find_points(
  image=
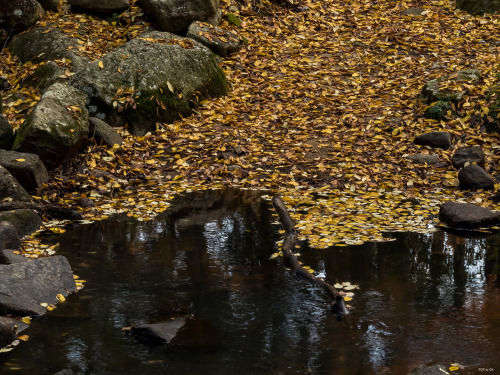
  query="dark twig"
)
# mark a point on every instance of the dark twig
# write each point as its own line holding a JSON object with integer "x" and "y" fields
{"x": 289, "y": 240}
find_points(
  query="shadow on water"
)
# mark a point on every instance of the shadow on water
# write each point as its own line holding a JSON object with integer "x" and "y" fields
{"x": 423, "y": 299}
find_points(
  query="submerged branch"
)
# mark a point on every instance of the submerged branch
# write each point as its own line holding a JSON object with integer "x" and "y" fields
{"x": 289, "y": 240}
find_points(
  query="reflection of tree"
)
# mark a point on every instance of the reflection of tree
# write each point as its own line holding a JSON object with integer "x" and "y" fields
{"x": 209, "y": 255}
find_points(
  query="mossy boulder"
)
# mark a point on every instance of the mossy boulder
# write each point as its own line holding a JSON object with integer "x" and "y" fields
{"x": 157, "y": 77}
{"x": 56, "y": 128}
{"x": 479, "y": 6}
{"x": 26, "y": 221}
{"x": 433, "y": 91}
{"x": 438, "y": 110}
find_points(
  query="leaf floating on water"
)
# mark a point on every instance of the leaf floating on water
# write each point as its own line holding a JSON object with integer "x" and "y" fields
{"x": 23, "y": 337}
{"x": 338, "y": 286}
{"x": 347, "y": 298}
{"x": 350, "y": 287}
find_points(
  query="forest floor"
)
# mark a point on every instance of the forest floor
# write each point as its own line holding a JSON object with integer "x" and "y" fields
{"x": 323, "y": 108}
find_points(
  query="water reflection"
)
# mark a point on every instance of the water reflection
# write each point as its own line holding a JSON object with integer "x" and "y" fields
{"x": 423, "y": 299}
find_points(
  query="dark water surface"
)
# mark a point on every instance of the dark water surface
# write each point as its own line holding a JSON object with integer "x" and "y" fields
{"x": 424, "y": 298}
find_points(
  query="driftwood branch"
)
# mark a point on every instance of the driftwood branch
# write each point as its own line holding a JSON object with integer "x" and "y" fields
{"x": 54, "y": 211}
{"x": 289, "y": 240}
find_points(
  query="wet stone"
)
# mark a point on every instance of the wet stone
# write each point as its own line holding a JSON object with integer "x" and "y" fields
{"x": 159, "y": 333}
{"x": 467, "y": 216}
{"x": 434, "y": 139}
{"x": 423, "y": 159}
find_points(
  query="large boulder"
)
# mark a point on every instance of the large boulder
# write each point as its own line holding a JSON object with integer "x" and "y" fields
{"x": 20, "y": 14}
{"x": 26, "y": 168}
{"x": 9, "y": 238}
{"x": 6, "y": 133}
{"x": 51, "y": 5}
{"x": 46, "y": 75}
{"x": 177, "y": 15}
{"x": 100, "y": 6}
{"x": 479, "y": 6}
{"x": 220, "y": 41}
{"x": 26, "y": 221}
{"x": 467, "y": 216}
{"x": 57, "y": 127}
{"x": 10, "y": 257}
{"x": 10, "y": 188}
{"x": 45, "y": 44}
{"x": 156, "y": 77}
{"x": 25, "y": 286}
{"x": 473, "y": 176}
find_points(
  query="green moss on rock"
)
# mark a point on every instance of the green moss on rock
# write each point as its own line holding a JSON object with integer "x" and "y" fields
{"x": 233, "y": 19}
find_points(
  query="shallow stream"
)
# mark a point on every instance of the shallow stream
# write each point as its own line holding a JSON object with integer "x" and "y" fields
{"x": 423, "y": 298}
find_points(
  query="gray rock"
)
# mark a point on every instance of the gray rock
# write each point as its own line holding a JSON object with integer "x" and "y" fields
{"x": 423, "y": 159}
{"x": 45, "y": 76}
{"x": 474, "y": 177}
{"x": 21, "y": 14}
{"x": 100, "y": 6}
{"x": 10, "y": 188}
{"x": 56, "y": 128}
{"x": 474, "y": 154}
{"x": 177, "y": 15}
{"x": 24, "y": 286}
{"x": 49, "y": 4}
{"x": 434, "y": 139}
{"x": 44, "y": 44}
{"x": 467, "y": 216}
{"x": 430, "y": 370}
{"x": 220, "y": 41}
{"x": 478, "y": 6}
{"x": 6, "y": 133}
{"x": 159, "y": 333}
{"x": 9, "y": 238}
{"x": 9, "y": 257}
{"x": 26, "y": 168}
{"x": 26, "y": 221}
{"x": 413, "y": 12}
{"x": 169, "y": 75}
{"x": 102, "y": 133}
{"x": 9, "y": 329}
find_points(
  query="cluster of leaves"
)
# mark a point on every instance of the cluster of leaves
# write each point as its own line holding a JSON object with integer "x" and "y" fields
{"x": 323, "y": 108}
